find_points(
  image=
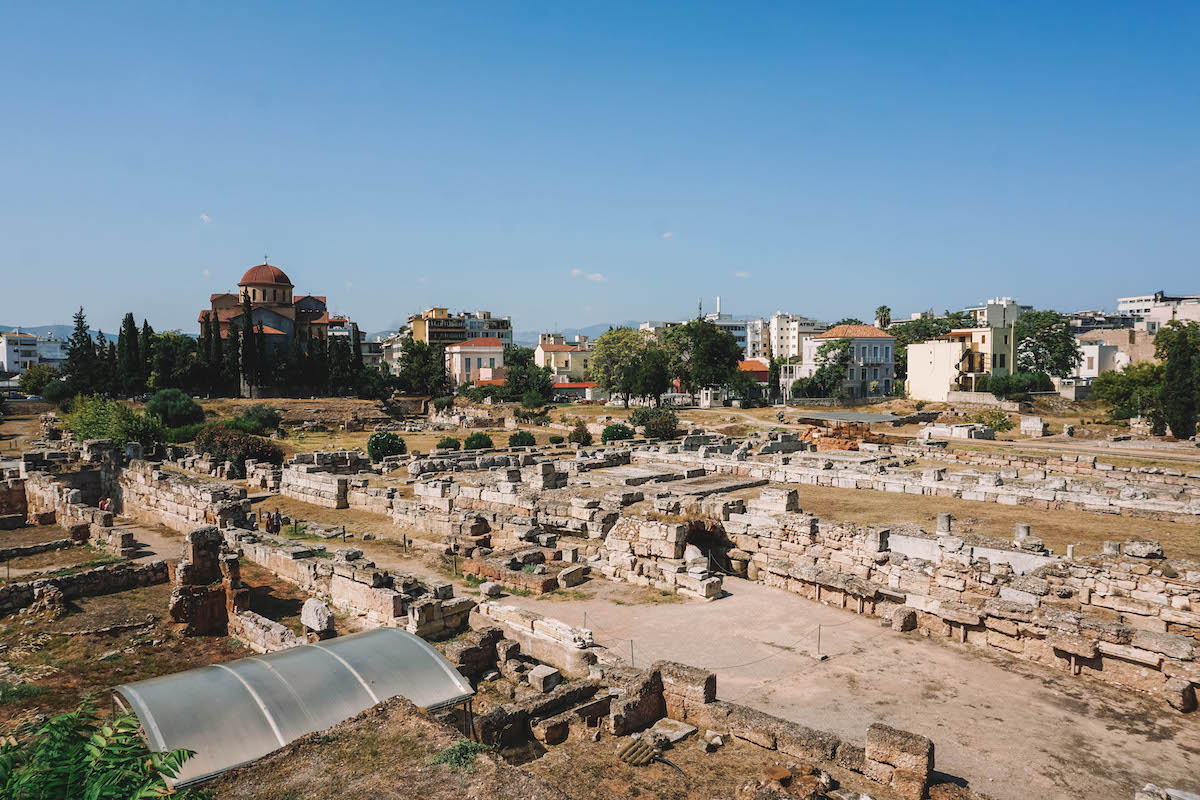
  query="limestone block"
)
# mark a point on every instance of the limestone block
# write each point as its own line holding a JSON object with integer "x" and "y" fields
{"x": 316, "y": 616}
{"x": 544, "y": 678}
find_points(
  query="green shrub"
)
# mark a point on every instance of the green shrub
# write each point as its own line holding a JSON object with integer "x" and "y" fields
{"x": 532, "y": 399}
{"x": 663, "y": 425}
{"x": 175, "y": 408}
{"x": 580, "y": 435}
{"x": 478, "y": 441}
{"x": 556, "y": 439}
{"x": 460, "y": 755}
{"x": 95, "y": 417}
{"x": 521, "y": 439}
{"x": 79, "y": 755}
{"x": 443, "y": 403}
{"x": 449, "y": 443}
{"x": 920, "y": 404}
{"x": 222, "y": 443}
{"x": 184, "y": 433}
{"x": 640, "y": 416}
{"x": 266, "y": 417}
{"x": 616, "y": 432}
{"x": 1019, "y": 384}
{"x": 16, "y": 692}
{"x": 382, "y": 444}
{"x": 996, "y": 420}
{"x": 58, "y": 393}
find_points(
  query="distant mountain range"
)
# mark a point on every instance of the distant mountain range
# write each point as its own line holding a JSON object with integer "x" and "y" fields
{"x": 529, "y": 338}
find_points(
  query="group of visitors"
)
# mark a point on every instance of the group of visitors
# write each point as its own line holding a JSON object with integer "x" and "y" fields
{"x": 272, "y": 522}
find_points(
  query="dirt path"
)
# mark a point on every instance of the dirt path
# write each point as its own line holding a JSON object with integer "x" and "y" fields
{"x": 1014, "y": 730}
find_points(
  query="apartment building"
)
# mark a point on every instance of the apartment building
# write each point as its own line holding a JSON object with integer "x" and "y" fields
{"x": 437, "y": 326}
{"x": 475, "y": 360}
{"x": 784, "y": 334}
{"x": 567, "y": 361}
{"x": 958, "y": 362}
{"x": 18, "y": 350}
{"x": 871, "y": 370}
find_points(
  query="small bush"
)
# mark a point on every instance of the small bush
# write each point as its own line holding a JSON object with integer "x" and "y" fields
{"x": 184, "y": 433}
{"x": 478, "y": 441}
{"x": 222, "y": 443}
{"x": 441, "y": 404}
{"x": 449, "y": 443}
{"x": 640, "y": 416}
{"x": 580, "y": 435}
{"x": 460, "y": 755}
{"x": 521, "y": 439}
{"x": 16, "y": 692}
{"x": 266, "y": 417}
{"x": 556, "y": 439}
{"x": 58, "y": 393}
{"x": 97, "y": 417}
{"x": 383, "y": 444}
{"x": 663, "y": 425}
{"x": 920, "y": 404}
{"x": 996, "y": 420}
{"x": 174, "y": 408}
{"x": 616, "y": 432}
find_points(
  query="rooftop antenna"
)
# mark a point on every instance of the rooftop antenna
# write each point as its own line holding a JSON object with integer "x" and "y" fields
{"x": 699, "y": 307}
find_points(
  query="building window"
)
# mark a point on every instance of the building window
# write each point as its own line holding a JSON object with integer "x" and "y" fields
{"x": 875, "y": 352}
{"x": 852, "y": 373}
{"x": 862, "y": 353}
{"x": 1091, "y": 362}
{"x": 1000, "y": 359}
{"x": 466, "y": 365}
{"x": 479, "y": 363}
{"x": 887, "y": 353}
{"x": 492, "y": 363}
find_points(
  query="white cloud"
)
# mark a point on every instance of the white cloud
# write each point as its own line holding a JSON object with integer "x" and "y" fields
{"x": 596, "y": 277}
{"x": 741, "y": 273}
{"x": 206, "y": 273}
{"x": 668, "y": 235}
{"x": 577, "y": 273}
{"x": 205, "y": 218}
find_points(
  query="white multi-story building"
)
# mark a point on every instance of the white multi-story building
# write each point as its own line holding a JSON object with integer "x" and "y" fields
{"x": 1139, "y": 305}
{"x": 1152, "y": 311}
{"x": 871, "y": 370}
{"x": 785, "y": 332}
{"x": 999, "y": 312}
{"x": 475, "y": 360}
{"x": 19, "y": 350}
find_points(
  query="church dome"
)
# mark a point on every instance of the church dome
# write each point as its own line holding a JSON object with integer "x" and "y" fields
{"x": 264, "y": 274}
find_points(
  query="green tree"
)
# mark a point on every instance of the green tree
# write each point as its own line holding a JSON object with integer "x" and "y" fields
{"x": 478, "y": 441}
{"x": 145, "y": 347}
{"x": 580, "y": 435}
{"x": 704, "y": 355}
{"x": 174, "y": 408}
{"x": 422, "y": 369}
{"x": 1045, "y": 344}
{"x": 833, "y": 359}
{"x": 521, "y": 439}
{"x": 883, "y": 315}
{"x": 614, "y": 359}
{"x": 382, "y": 444}
{"x": 250, "y": 365}
{"x": 849, "y": 321}
{"x": 652, "y": 372}
{"x": 174, "y": 361}
{"x": 616, "y": 432}
{"x": 81, "y": 362}
{"x": 1131, "y": 391}
{"x": 1177, "y": 396}
{"x": 130, "y": 376}
{"x": 36, "y": 378}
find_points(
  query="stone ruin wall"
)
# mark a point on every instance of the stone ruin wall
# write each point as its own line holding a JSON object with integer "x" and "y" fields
{"x": 149, "y": 493}
{"x": 102, "y": 580}
{"x": 14, "y": 509}
{"x": 1058, "y": 493}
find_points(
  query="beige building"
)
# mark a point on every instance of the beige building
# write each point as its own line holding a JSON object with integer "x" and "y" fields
{"x": 957, "y": 361}
{"x": 438, "y": 327}
{"x": 474, "y": 360}
{"x": 567, "y": 361}
{"x": 872, "y": 359}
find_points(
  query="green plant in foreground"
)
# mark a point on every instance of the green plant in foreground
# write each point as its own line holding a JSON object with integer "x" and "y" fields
{"x": 460, "y": 755}
{"x": 76, "y": 755}
{"x": 16, "y": 692}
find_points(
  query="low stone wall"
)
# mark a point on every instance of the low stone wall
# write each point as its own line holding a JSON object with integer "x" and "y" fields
{"x": 572, "y": 650}
{"x": 1060, "y": 493}
{"x": 311, "y": 484}
{"x": 149, "y": 493}
{"x": 12, "y": 498}
{"x": 261, "y": 634}
{"x": 9, "y": 553}
{"x": 103, "y": 580}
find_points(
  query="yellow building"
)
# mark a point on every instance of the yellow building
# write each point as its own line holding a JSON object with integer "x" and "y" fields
{"x": 957, "y": 361}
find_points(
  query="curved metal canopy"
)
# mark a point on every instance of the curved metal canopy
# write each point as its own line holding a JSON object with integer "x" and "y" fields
{"x": 234, "y": 713}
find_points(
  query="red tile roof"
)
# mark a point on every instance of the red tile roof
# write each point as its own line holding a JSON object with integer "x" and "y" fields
{"x": 575, "y": 385}
{"x": 265, "y": 273}
{"x": 212, "y": 297}
{"x": 490, "y": 383}
{"x": 559, "y": 348}
{"x": 854, "y": 332}
{"x": 753, "y": 366}
{"x": 222, "y": 314}
{"x": 480, "y": 341}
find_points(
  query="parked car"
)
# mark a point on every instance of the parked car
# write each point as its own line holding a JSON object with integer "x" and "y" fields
{"x": 34, "y": 398}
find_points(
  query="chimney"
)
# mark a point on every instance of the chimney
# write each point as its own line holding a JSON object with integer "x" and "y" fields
{"x": 718, "y": 306}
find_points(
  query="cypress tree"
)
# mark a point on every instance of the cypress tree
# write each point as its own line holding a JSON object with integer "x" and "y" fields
{"x": 249, "y": 363}
{"x": 81, "y": 357}
{"x": 1177, "y": 397}
{"x": 146, "y": 350}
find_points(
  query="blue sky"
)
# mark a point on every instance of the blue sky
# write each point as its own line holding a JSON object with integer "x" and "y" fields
{"x": 575, "y": 163}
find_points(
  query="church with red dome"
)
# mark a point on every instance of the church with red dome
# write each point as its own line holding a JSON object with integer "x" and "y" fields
{"x": 272, "y": 305}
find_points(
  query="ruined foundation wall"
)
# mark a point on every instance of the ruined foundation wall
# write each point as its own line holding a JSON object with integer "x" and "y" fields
{"x": 103, "y": 580}
{"x": 151, "y": 494}
{"x": 261, "y": 634}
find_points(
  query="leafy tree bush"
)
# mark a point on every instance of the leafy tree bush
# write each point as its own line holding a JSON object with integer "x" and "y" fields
{"x": 184, "y": 433}
{"x": 640, "y": 416}
{"x": 223, "y": 443}
{"x": 36, "y": 377}
{"x": 996, "y": 420}
{"x": 58, "y": 393}
{"x": 521, "y": 439}
{"x": 616, "y": 432}
{"x": 382, "y": 444}
{"x": 580, "y": 435}
{"x": 441, "y": 404}
{"x": 460, "y": 755}
{"x": 919, "y": 405}
{"x": 78, "y": 755}
{"x": 478, "y": 441}
{"x": 1045, "y": 344}
{"x": 664, "y": 425}
{"x": 94, "y": 417}
{"x": 174, "y": 408}
{"x": 556, "y": 439}
{"x": 1130, "y": 391}
{"x": 532, "y": 399}
{"x": 266, "y": 417}
{"x": 1019, "y": 383}
{"x": 449, "y": 443}
{"x": 1177, "y": 395}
